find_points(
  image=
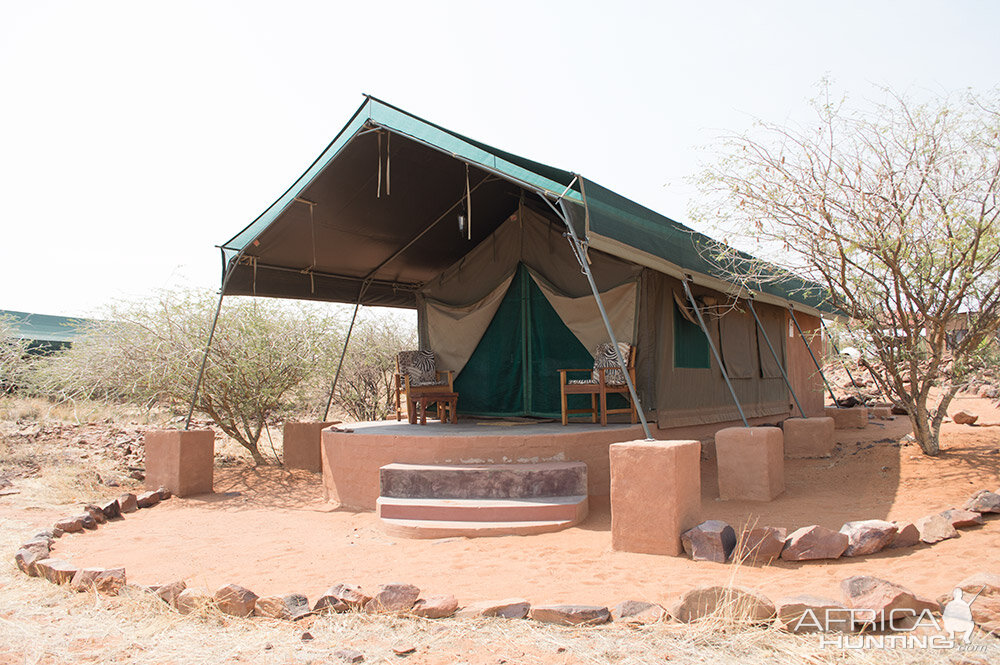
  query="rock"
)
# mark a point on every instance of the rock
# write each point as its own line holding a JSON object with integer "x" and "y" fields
{"x": 194, "y": 600}
{"x": 403, "y": 648}
{"x": 148, "y": 499}
{"x": 570, "y": 615}
{"x": 811, "y": 614}
{"x": 961, "y": 519}
{"x": 736, "y": 603}
{"x": 984, "y": 501}
{"x": 40, "y": 544}
{"x": 986, "y": 606}
{"x": 49, "y": 534}
{"x": 164, "y": 493}
{"x": 27, "y": 558}
{"x": 86, "y": 520}
{"x": 111, "y": 509}
{"x": 235, "y": 600}
{"x": 964, "y": 418}
{"x": 292, "y": 606}
{"x": 127, "y": 503}
{"x": 70, "y": 525}
{"x": 96, "y": 513}
{"x": 762, "y": 543}
{"x": 56, "y": 571}
{"x": 867, "y": 536}
{"x": 37, "y": 543}
{"x": 712, "y": 540}
{"x": 877, "y": 599}
{"x": 814, "y": 542}
{"x": 169, "y": 592}
{"x": 393, "y": 598}
{"x": 907, "y": 535}
{"x": 307, "y": 637}
{"x": 349, "y": 655}
{"x": 935, "y": 528}
{"x": 898, "y": 410}
{"x": 511, "y": 608}
{"x": 637, "y": 611}
{"x": 103, "y": 580}
{"x": 342, "y": 597}
{"x": 435, "y": 607}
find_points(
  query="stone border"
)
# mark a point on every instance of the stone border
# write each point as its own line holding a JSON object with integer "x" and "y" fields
{"x": 867, "y": 602}
{"x": 715, "y": 540}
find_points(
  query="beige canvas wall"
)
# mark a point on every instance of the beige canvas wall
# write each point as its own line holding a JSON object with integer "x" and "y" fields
{"x": 697, "y": 396}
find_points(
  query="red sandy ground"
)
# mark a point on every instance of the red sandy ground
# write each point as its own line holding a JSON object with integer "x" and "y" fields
{"x": 270, "y": 530}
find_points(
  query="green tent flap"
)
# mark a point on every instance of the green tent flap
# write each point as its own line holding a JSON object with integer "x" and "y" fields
{"x": 514, "y": 369}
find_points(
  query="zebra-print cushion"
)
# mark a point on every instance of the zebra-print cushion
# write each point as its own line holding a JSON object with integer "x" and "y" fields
{"x": 420, "y": 366}
{"x": 607, "y": 359}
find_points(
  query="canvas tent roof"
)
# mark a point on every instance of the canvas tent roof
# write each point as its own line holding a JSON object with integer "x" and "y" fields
{"x": 373, "y": 219}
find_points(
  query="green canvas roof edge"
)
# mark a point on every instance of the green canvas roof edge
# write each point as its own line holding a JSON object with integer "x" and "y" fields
{"x": 638, "y": 225}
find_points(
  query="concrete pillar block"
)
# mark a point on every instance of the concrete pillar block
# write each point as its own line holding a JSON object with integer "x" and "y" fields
{"x": 301, "y": 444}
{"x": 180, "y": 460}
{"x": 808, "y": 437}
{"x": 880, "y": 412}
{"x": 655, "y": 494}
{"x": 855, "y": 417}
{"x": 751, "y": 462}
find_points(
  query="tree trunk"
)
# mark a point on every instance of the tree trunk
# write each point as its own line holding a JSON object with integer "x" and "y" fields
{"x": 925, "y": 434}
{"x": 258, "y": 458}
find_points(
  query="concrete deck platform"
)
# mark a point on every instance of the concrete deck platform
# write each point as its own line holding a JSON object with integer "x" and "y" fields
{"x": 354, "y": 454}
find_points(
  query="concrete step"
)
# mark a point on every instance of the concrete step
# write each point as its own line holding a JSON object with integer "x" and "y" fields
{"x": 447, "y": 529}
{"x": 573, "y": 508}
{"x": 483, "y": 481}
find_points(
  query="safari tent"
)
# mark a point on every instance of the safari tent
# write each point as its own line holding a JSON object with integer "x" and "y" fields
{"x": 494, "y": 252}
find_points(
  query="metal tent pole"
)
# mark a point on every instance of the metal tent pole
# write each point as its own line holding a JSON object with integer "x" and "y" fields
{"x": 715, "y": 352}
{"x": 813, "y": 356}
{"x": 837, "y": 351}
{"x": 208, "y": 346}
{"x": 343, "y": 352}
{"x": 774, "y": 354}
{"x": 577, "y": 247}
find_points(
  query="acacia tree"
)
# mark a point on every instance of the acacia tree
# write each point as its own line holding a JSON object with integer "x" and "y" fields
{"x": 150, "y": 351}
{"x": 894, "y": 209}
{"x": 366, "y": 390}
{"x": 14, "y": 361}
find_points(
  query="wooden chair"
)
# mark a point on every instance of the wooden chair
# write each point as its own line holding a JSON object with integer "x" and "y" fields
{"x": 605, "y": 379}
{"x": 417, "y": 373}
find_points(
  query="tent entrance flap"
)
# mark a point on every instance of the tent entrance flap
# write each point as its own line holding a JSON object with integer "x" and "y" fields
{"x": 513, "y": 371}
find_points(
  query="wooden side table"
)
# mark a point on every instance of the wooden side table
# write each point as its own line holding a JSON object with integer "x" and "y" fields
{"x": 446, "y": 400}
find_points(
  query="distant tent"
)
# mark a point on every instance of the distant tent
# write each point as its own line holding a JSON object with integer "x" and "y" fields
{"x": 375, "y": 221}
{"x": 45, "y": 332}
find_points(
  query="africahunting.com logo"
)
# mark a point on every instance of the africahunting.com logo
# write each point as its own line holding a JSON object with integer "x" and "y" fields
{"x": 897, "y": 628}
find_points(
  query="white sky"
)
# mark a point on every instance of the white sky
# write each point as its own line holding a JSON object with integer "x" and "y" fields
{"x": 136, "y": 136}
